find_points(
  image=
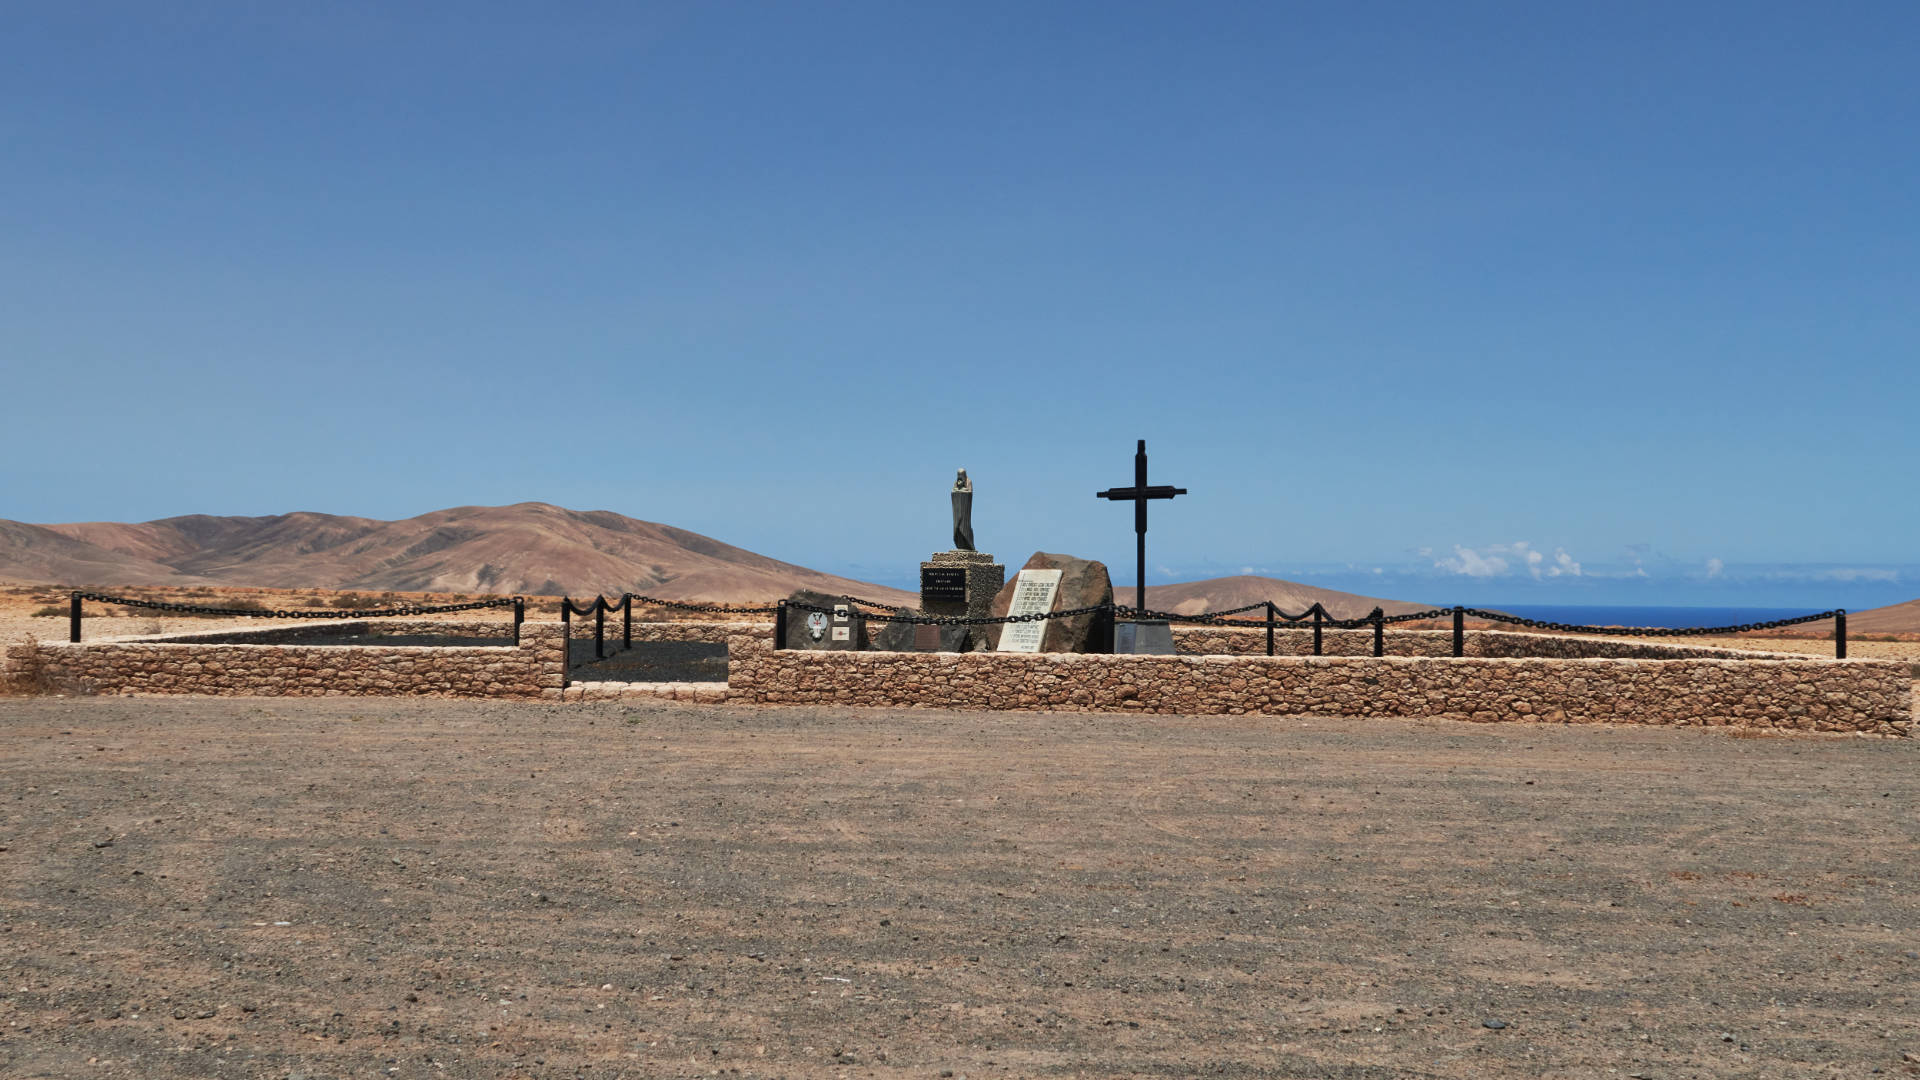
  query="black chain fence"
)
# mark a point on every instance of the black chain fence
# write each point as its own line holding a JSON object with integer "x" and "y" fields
{"x": 705, "y": 609}
{"x": 1653, "y": 631}
{"x": 1316, "y": 617}
{"x": 518, "y": 604}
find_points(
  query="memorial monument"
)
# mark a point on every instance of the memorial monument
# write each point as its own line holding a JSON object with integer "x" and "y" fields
{"x": 1048, "y": 583}
{"x": 1141, "y": 635}
{"x": 961, "y": 581}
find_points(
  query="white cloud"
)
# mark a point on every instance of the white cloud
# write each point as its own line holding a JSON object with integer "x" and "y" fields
{"x": 1465, "y": 560}
{"x": 1495, "y": 560}
{"x": 1857, "y": 573}
{"x": 1715, "y": 567}
{"x": 1843, "y": 574}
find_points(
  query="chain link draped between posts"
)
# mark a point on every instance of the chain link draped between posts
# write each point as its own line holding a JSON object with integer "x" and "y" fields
{"x": 705, "y": 609}
{"x": 1319, "y": 618}
{"x": 598, "y": 609}
{"x": 1651, "y": 631}
{"x": 1316, "y": 617}
{"x": 518, "y": 604}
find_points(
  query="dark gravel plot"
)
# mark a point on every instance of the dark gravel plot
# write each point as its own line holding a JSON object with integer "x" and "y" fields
{"x": 651, "y": 661}
{"x": 433, "y": 640}
{"x": 341, "y": 887}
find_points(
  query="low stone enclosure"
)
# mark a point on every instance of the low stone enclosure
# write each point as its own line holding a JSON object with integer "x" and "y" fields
{"x": 306, "y": 659}
{"x": 1218, "y": 670}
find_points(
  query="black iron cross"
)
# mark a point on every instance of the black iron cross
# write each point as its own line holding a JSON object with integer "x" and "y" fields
{"x": 1139, "y": 493}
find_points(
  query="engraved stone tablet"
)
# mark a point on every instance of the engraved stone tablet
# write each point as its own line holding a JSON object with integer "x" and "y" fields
{"x": 943, "y": 584}
{"x": 1033, "y": 593}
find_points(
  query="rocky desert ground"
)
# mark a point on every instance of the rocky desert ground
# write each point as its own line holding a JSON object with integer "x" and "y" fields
{"x": 356, "y": 888}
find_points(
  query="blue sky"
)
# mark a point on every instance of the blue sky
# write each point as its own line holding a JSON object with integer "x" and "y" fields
{"x": 1408, "y": 288}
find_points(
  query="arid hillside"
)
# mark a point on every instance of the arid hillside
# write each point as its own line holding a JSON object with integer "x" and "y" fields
{"x": 1892, "y": 619}
{"x": 1227, "y": 593}
{"x": 528, "y": 548}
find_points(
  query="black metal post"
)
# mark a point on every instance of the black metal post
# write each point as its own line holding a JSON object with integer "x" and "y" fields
{"x": 1318, "y": 612}
{"x": 780, "y": 626}
{"x": 1140, "y": 527}
{"x": 1379, "y": 632}
{"x": 1839, "y": 634}
{"x": 599, "y": 627}
{"x": 1269, "y": 628}
{"x": 566, "y": 637}
{"x": 73, "y": 616}
{"x": 519, "y": 616}
{"x": 626, "y": 615}
{"x": 1459, "y": 631}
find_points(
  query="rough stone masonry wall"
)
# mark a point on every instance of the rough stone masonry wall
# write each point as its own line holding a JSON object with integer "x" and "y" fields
{"x": 324, "y": 632}
{"x": 1800, "y": 694}
{"x": 533, "y": 669}
{"x": 1233, "y": 641}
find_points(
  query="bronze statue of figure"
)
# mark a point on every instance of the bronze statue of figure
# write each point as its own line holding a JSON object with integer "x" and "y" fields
{"x": 963, "y": 513}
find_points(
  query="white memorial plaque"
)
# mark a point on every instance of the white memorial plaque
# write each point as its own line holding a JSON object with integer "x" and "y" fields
{"x": 843, "y": 633}
{"x": 1033, "y": 593}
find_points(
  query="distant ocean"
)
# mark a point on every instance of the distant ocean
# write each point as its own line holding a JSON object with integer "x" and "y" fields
{"x": 1678, "y": 618}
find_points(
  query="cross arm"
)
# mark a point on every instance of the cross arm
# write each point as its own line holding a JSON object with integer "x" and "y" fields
{"x": 1158, "y": 491}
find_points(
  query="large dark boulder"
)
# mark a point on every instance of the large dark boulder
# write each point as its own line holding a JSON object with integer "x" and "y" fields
{"x": 919, "y": 637}
{"x": 801, "y": 632}
{"x": 1083, "y": 583}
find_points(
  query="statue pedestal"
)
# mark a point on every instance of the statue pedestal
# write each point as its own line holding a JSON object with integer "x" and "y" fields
{"x": 960, "y": 583}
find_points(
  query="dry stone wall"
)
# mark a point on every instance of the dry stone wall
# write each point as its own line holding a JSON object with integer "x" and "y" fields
{"x": 1798, "y": 694}
{"x": 1234, "y": 641}
{"x": 532, "y": 669}
{"x": 319, "y": 633}
{"x": 1560, "y": 679}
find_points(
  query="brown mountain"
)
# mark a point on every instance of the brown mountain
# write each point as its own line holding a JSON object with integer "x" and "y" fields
{"x": 1893, "y": 619}
{"x": 1227, "y": 593}
{"x": 529, "y": 548}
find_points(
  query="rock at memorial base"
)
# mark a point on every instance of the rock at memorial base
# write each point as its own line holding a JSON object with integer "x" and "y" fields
{"x": 827, "y": 629}
{"x": 1083, "y": 583}
{"x": 921, "y": 637}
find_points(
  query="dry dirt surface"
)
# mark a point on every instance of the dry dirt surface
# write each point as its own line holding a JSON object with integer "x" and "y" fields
{"x": 368, "y": 888}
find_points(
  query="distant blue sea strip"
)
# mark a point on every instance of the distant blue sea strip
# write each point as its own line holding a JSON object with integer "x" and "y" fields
{"x": 1675, "y": 618}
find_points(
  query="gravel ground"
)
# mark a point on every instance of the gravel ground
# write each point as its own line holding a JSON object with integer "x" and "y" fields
{"x": 356, "y": 888}
{"x": 651, "y": 661}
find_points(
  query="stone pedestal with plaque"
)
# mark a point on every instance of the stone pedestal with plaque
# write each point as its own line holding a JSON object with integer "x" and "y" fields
{"x": 826, "y": 622}
{"x": 960, "y": 583}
